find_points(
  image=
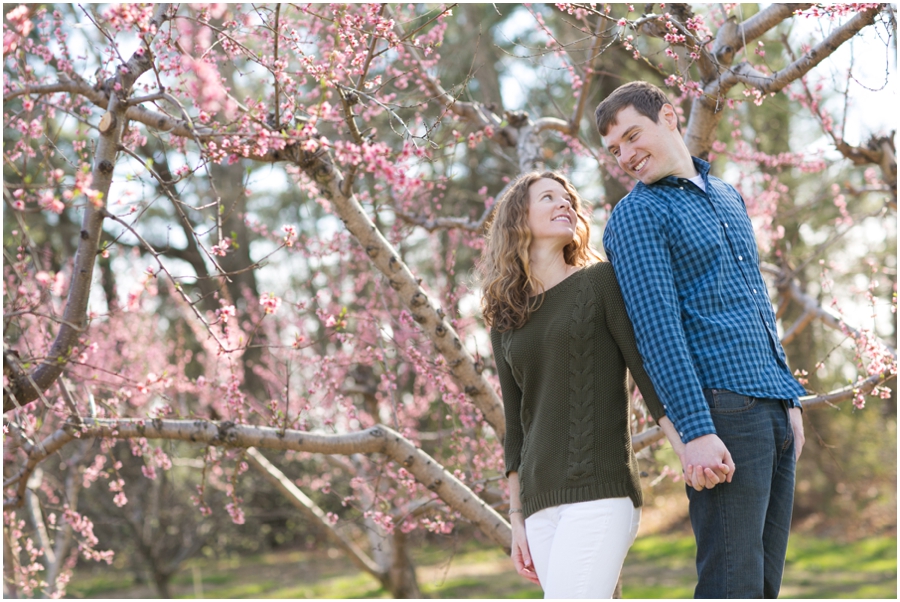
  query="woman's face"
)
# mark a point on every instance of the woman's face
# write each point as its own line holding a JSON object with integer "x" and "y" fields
{"x": 550, "y": 211}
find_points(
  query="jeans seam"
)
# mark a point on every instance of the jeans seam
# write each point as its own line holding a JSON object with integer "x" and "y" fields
{"x": 728, "y": 559}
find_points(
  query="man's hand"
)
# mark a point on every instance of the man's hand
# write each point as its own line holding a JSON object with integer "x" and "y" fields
{"x": 521, "y": 555}
{"x": 796, "y": 415}
{"x": 707, "y": 462}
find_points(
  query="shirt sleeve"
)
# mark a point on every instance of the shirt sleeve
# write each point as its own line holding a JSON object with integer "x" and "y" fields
{"x": 635, "y": 243}
{"x": 620, "y": 328}
{"x": 512, "y": 402}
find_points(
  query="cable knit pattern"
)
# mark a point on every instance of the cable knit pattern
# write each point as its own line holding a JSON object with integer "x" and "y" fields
{"x": 563, "y": 379}
{"x": 581, "y": 384}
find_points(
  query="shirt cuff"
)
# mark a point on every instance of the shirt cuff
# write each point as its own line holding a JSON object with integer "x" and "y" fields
{"x": 795, "y": 403}
{"x": 700, "y": 424}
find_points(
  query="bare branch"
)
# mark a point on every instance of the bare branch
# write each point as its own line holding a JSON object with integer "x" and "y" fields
{"x": 446, "y": 223}
{"x": 767, "y": 84}
{"x": 790, "y": 288}
{"x": 732, "y": 36}
{"x": 585, "y": 90}
{"x": 706, "y": 111}
{"x": 311, "y": 511}
{"x": 880, "y": 151}
{"x": 451, "y": 223}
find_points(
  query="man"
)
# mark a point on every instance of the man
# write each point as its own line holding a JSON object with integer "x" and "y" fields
{"x": 685, "y": 256}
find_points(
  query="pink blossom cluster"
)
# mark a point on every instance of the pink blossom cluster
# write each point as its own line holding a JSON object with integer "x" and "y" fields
{"x": 21, "y": 27}
{"x": 128, "y": 17}
{"x": 744, "y": 153}
{"x": 837, "y": 10}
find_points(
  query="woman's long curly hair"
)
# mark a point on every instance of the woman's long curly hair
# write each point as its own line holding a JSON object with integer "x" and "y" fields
{"x": 505, "y": 268}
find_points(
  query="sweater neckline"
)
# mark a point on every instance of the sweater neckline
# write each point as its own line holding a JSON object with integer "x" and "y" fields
{"x": 559, "y": 284}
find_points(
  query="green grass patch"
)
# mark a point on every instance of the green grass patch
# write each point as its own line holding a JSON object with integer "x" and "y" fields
{"x": 662, "y": 566}
{"x": 91, "y": 586}
{"x": 357, "y": 586}
{"x": 658, "y": 566}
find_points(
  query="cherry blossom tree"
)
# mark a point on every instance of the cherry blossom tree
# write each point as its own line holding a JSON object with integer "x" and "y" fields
{"x": 283, "y": 202}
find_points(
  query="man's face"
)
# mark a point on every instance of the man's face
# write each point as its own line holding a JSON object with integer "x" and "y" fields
{"x": 647, "y": 151}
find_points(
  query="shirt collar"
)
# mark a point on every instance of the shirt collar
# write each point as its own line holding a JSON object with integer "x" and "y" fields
{"x": 700, "y": 165}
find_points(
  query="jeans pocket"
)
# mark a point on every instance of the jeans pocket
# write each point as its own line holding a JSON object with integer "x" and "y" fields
{"x": 723, "y": 401}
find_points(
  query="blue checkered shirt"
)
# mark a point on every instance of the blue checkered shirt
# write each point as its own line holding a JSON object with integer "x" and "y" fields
{"x": 688, "y": 266}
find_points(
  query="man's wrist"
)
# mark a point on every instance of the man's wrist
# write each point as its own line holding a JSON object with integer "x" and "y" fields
{"x": 689, "y": 435}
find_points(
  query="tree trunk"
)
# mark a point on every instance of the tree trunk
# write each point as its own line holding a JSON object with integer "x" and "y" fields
{"x": 402, "y": 574}
{"x": 161, "y": 581}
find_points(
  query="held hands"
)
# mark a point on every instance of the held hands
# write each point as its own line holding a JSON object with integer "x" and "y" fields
{"x": 707, "y": 462}
{"x": 521, "y": 555}
{"x": 713, "y": 465}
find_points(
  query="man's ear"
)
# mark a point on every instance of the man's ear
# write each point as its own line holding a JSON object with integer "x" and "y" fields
{"x": 668, "y": 116}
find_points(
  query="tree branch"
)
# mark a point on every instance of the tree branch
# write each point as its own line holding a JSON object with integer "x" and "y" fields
{"x": 791, "y": 289}
{"x": 706, "y": 111}
{"x": 311, "y": 511}
{"x": 463, "y": 367}
{"x": 377, "y": 439}
{"x": 25, "y": 390}
{"x": 732, "y": 36}
{"x": 746, "y": 74}
{"x": 654, "y": 434}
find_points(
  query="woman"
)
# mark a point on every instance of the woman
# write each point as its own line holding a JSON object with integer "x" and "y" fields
{"x": 562, "y": 342}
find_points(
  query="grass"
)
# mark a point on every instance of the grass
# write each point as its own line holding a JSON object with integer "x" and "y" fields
{"x": 663, "y": 566}
{"x": 658, "y": 566}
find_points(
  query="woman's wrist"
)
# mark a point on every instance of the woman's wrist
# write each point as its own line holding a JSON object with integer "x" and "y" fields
{"x": 516, "y": 516}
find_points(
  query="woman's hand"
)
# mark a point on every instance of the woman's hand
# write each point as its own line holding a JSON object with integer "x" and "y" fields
{"x": 698, "y": 478}
{"x": 521, "y": 555}
{"x": 710, "y": 480}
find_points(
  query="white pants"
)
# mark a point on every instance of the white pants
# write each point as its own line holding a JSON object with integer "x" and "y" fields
{"x": 578, "y": 549}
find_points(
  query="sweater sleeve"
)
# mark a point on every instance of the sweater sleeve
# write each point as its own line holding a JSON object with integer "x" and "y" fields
{"x": 623, "y": 333}
{"x": 512, "y": 402}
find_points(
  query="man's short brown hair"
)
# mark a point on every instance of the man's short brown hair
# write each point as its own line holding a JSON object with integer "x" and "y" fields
{"x": 646, "y": 99}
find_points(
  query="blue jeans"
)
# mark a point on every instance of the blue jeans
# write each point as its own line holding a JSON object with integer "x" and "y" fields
{"x": 742, "y": 527}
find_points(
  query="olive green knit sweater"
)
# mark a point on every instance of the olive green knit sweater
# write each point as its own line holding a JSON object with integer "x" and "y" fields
{"x": 564, "y": 388}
